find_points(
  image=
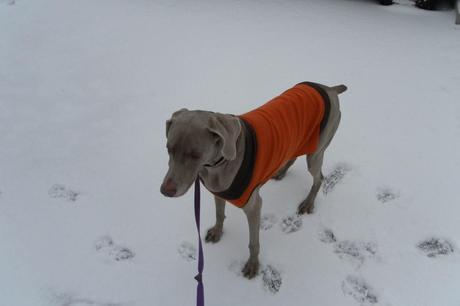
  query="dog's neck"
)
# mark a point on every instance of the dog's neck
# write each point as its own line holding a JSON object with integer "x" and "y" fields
{"x": 221, "y": 176}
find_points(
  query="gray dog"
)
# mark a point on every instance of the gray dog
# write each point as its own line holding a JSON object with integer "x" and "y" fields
{"x": 227, "y": 152}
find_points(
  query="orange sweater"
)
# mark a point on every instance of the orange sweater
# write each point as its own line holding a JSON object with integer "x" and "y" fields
{"x": 285, "y": 127}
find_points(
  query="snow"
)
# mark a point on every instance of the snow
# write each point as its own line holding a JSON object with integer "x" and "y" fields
{"x": 86, "y": 87}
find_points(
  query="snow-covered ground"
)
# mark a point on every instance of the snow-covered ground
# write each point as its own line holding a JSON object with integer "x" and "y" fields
{"x": 85, "y": 89}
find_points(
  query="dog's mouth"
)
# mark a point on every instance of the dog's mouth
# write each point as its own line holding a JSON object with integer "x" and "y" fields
{"x": 183, "y": 191}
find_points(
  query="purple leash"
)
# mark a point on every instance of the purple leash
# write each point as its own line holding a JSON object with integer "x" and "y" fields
{"x": 199, "y": 276}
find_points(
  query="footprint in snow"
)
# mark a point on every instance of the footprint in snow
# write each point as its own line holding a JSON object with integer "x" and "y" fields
{"x": 271, "y": 277}
{"x": 113, "y": 251}
{"x": 187, "y": 251}
{"x": 354, "y": 251}
{"x": 71, "y": 300}
{"x": 103, "y": 242}
{"x": 267, "y": 221}
{"x": 327, "y": 236}
{"x": 59, "y": 191}
{"x": 386, "y": 195}
{"x": 333, "y": 178}
{"x": 359, "y": 290}
{"x": 434, "y": 247}
{"x": 120, "y": 253}
{"x": 291, "y": 224}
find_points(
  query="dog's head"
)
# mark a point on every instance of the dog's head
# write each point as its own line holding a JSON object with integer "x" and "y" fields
{"x": 196, "y": 139}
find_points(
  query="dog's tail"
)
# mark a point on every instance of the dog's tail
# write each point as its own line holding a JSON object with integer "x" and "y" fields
{"x": 339, "y": 88}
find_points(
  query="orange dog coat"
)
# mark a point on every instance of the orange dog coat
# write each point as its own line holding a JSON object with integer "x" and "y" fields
{"x": 280, "y": 130}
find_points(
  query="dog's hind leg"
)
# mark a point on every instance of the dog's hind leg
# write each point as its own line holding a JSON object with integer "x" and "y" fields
{"x": 252, "y": 211}
{"x": 282, "y": 172}
{"x": 315, "y": 162}
{"x": 215, "y": 232}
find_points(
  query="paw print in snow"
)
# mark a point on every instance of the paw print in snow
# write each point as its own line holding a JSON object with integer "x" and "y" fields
{"x": 120, "y": 253}
{"x": 291, "y": 224}
{"x": 386, "y": 195}
{"x": 327, "y": 236}
{"x": 65, "y": 299}
{"x": 435, "y": 247}
{"x": 103, "y": 243}
{"x": 187, "y": 251}
{"x": 358, "y": 289}
{"x": 356, "y": 252}
{"x": 267, "y": 221}
{"x": 335, "y": 177}
{"x": 271, "y": 279}
{"x": 59, "y": 191}
{"x": 113, "y": 251}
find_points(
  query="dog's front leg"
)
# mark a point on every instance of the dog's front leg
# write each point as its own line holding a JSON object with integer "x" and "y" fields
{"x": 215, "y": 232}
{"x": 252, "y": 211}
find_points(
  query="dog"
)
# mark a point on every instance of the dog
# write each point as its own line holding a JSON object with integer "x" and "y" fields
{"x": 235, "y": 155}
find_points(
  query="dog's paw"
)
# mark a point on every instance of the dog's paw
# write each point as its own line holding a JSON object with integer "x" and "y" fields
{"x": 305, "y": 207}
{"x": 250, "y": 269}
{"x": 359, "y": 290}
{"x": 435, "y": 247}
{"x": 213, "y": 235}
{"x": 291, "y": 224}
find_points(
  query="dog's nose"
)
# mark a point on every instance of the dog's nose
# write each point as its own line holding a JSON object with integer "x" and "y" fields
{"x": 168, "y": 188}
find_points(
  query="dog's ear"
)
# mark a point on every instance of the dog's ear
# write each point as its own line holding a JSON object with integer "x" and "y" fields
{"x": 170, "y": 121}
{"x": 227, "y": 128}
